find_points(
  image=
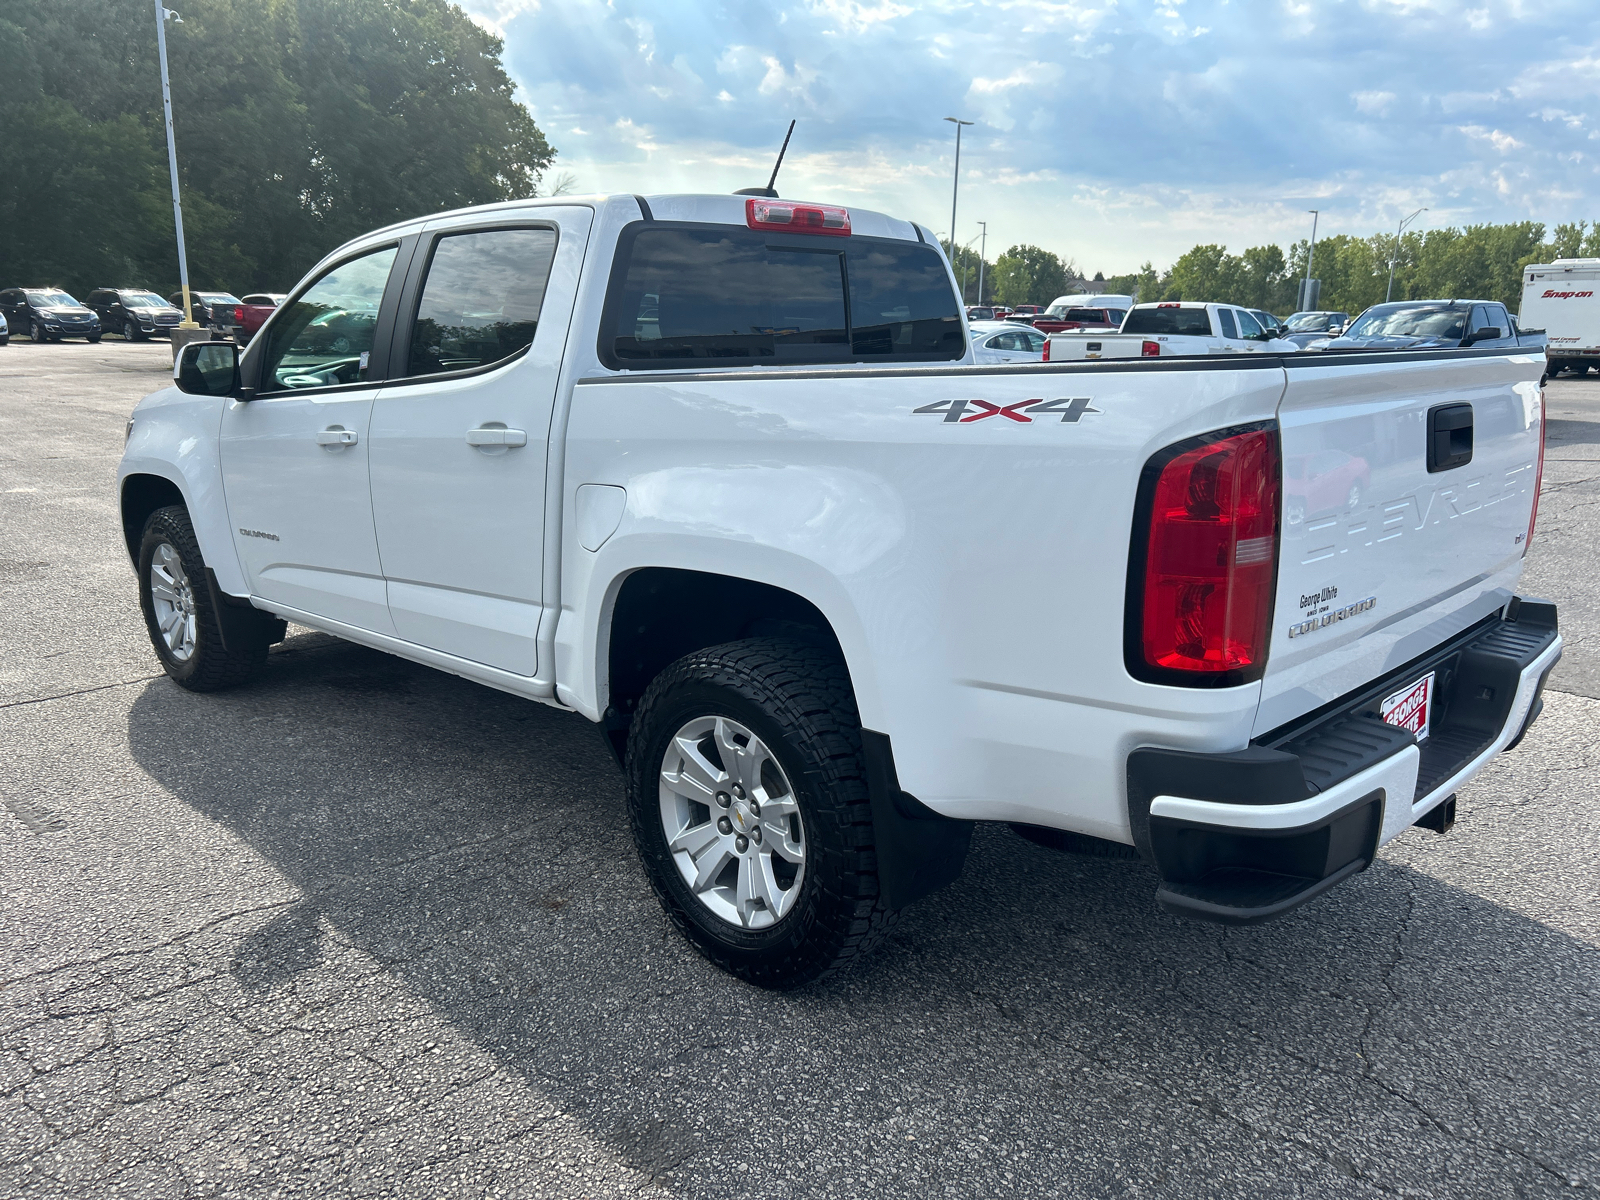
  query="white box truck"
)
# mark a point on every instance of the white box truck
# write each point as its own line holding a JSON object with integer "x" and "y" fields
{"x": 1563, "y": 299}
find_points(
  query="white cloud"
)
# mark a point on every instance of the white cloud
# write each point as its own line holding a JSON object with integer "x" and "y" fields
{"x": 855, "y": 17}
{"x": 1502, "y": 142}
{"x": 1373, "y": 103}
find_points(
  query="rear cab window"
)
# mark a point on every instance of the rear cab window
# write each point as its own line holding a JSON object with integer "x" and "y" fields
{"x": 695, "y": 295}
{"x": 1188, "y": 321}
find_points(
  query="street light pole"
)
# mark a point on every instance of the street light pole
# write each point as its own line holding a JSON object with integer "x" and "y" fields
{"x": 162, "y": 13}
{"x": 1305, "y": 288}
{"x": 955, "y": 185}
{"x": 1389, "y": 291}
{"x": 983, "y": 250}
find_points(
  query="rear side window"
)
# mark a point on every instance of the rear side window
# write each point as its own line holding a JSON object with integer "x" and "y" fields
{"x": 718, "y": 295}
{"x": 480, "y": 299}
{"x": 1192, "y": 321}
{"x": 1225, "y": 319}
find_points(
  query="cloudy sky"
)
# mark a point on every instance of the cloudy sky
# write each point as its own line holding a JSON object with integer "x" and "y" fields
{"x": 1108, "y": 131}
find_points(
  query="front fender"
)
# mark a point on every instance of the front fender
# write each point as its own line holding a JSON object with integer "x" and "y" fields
{"x": 175, "y": 437}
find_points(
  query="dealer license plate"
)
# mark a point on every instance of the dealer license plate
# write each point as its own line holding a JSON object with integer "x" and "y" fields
{"x": 1411, "y": 707}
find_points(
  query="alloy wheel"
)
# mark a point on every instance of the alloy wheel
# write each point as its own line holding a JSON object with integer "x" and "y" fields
{"x": 172, "y": 597}
{"x": 732, "y": 822}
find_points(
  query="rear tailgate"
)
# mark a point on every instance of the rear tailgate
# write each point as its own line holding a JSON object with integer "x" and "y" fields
{"x": 1381, "y": 558}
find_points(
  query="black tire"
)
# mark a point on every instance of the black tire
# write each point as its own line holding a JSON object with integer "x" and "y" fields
{"x": 92, "y": 338}
{"x": 37, "y": 333}
{"x": 797, "y": 698}
{"x": 210, "y": 667}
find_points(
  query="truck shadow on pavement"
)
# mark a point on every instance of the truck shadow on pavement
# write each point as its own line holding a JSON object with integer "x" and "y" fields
{"x": 1039, "y": 1026}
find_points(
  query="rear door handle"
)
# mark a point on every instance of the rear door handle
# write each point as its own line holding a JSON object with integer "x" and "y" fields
{"x": 497, "y": 437}
{"x": 336, "y": 437}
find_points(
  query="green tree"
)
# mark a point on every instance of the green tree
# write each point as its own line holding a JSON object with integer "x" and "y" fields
{"x": 300, "y": 123}
{"x": 964, "y": 261}
{"x": 1028, "y": 275}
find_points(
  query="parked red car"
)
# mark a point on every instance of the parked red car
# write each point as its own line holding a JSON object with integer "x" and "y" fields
{"x": 251, "y": 313}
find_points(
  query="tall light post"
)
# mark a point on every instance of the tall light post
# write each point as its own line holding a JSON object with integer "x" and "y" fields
{"x": 162, "y": 13}
{"x": 1305, "y": 288}
{"x": 983, "y": 250}
{"x": 955, "y": 185}
{"x": 1390, "y": 289}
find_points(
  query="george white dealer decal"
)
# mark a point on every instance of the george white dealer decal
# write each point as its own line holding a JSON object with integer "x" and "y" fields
{"x": 1328, "y": 618}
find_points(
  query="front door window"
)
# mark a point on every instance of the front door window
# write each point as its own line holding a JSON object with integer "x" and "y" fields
{"x": 325, "y": 338}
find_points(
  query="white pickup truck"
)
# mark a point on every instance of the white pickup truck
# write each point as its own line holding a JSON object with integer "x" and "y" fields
{"x": 719, "y": 475}
{"x": 1171, "y": 328}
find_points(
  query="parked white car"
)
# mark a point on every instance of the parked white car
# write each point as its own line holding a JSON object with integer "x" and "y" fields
{"x": 1005, "y": 342}
{"x": 1563, "y": 299}
{"x": 1172, "y": 327}
{"x": 747, "y": 510}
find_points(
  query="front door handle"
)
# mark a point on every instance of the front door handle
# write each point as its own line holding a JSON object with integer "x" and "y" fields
{"x": 336, "y": 437}
{"x": 496, "y": 436}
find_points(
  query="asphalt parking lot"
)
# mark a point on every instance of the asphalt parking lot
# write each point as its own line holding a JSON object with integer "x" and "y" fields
{"x": 365, "y": 929}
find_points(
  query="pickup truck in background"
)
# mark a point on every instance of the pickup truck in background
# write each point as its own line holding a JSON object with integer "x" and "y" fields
{"x": 1172, "y": 327}
{"x": 1563, "y": 299}
{"x": 212, "y": 310}
{"x": 1435, "y": 324}
{"x": 251, "y": 313}
{"x": 715, "y": 472}
{"x": 1085, "y": 320}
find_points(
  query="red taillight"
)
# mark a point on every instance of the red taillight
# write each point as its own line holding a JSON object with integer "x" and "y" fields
{"x": 1538, "y": 477}
{"x": 1150, "y": 350}
{"x": 238, "y": 315}
{"x": 1210, "y": 560}
{"x": 1046, "y": 350}
{"x": 797, "y": 218}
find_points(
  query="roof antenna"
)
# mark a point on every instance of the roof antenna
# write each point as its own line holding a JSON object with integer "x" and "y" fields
{"x": 769, "y": 191}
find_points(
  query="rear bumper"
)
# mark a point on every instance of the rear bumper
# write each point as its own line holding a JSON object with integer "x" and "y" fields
{"x": 1246, "y": 836}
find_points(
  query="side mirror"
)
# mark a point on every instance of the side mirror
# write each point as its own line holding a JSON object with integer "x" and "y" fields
{"x": 1488, "y": 333}
{"x": 207, "y": 369}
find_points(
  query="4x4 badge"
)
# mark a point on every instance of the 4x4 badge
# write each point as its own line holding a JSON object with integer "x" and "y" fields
{"x": 1071, "y": 410}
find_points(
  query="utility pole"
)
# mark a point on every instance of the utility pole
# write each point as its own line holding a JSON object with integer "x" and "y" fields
{"x": 1305, "y": 288}
{"x": 955, "y": 188}
{"x": 162, "y": 13}
{"x": 983, "y": 250}
{"x": 1389, "y": 291}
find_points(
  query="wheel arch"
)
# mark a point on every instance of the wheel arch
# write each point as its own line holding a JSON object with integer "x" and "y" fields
{"x": 657, "y": 614}
{"x": 141, "y": 495}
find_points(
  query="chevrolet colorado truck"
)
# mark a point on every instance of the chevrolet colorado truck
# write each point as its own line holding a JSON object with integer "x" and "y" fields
{"x": 1171, "y": 327}
{"x": 720, "y": 475}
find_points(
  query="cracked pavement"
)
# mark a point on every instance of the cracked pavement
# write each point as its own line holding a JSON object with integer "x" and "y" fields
{"x": 364, "y": 929}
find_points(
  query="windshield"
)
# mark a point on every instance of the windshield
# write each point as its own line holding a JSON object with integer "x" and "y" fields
{"x": 216, "y": 298}
{"x": 1312, "y": 322}
{"x": 1410, "y": 320}
{"x": 51, "y": 300}
{"x": 143, "y": 300}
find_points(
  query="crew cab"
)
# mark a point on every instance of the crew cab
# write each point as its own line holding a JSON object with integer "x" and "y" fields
{"x": 719, "y": 475}
{"x": 1435, "y": 324}
{"x": 1171, "y": 327}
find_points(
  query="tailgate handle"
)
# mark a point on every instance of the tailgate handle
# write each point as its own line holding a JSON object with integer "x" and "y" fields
{"x": 1449, "y": 437}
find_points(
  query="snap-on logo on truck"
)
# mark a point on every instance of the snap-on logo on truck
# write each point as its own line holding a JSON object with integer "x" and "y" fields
{"x": 1566, "y": 295}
